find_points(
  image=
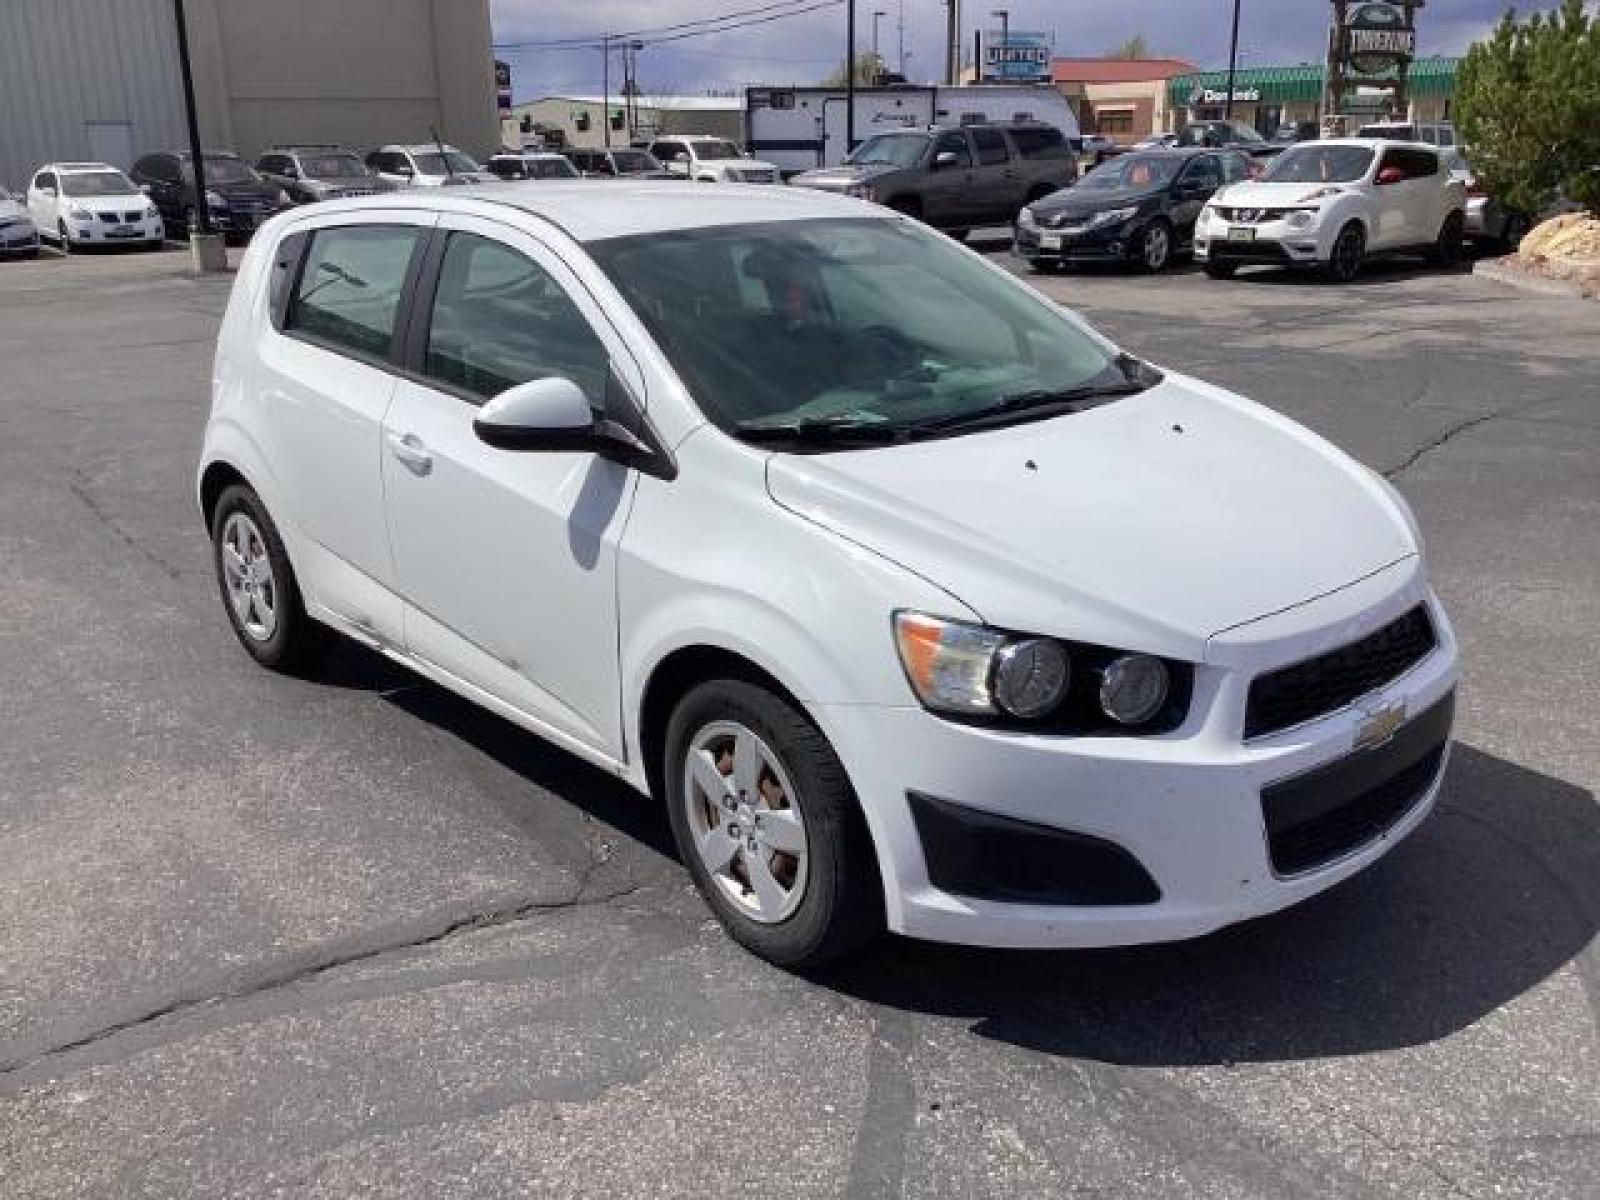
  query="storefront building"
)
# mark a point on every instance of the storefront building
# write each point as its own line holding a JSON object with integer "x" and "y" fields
{"x": 1269, "y": 98}
{"x": 1123, "y": 98}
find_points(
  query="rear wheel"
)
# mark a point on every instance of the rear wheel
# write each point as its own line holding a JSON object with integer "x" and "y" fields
{"x": 258, "y": 586}
{"x": 768, "y": 826}
{"x": 1513, "y": 231}
{"x": 1350, "y": 248}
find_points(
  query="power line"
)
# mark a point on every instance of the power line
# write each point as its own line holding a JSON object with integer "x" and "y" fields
{"x": 735, "y": 16}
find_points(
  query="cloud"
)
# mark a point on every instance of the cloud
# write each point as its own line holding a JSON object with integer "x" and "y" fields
{"x": 805, "y": 48}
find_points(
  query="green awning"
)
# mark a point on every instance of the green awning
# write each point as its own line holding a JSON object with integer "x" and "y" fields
{"x": 1300, "y": 84}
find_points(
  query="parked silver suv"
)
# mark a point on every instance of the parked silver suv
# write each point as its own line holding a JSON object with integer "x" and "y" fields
{"x": 954, "y": 177}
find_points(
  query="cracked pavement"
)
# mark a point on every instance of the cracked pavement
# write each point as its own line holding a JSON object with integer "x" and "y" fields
{"x": 348, "y": 936}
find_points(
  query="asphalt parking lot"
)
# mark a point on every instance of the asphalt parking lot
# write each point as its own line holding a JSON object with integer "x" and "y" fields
{"x": 346, "y": 936}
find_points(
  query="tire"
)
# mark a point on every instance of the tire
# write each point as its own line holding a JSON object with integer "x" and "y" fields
{"x": 1155, "y": 247}
{"x": 1349, "y": 251}
{"x": 1447, "y": 247}
{"x": 66, "y": 239}
{"x": 793, "y": 769}
{"x": 1512, "y": 232}
{"x": 273, "y": 628}
{"x": 1220, "y": 270}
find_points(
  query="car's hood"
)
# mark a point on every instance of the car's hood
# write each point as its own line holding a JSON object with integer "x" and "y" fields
{"x": 1256, "y": 194}
{"x": 10, "y": 210}
{"x": 843, "y": 175}
{"x": 1152, "y": 522}
{"x": 134, "y": 202}
{"x": 739, "y": 164}
{"x": 1081, "y": 201}
{"x": 244, "y": 189}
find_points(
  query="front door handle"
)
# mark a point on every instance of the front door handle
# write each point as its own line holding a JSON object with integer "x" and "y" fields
{"x": 411, "y": 452}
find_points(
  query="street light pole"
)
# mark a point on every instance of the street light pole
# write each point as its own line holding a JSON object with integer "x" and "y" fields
{"x": 952, "y": 41}
{"x": 202, "y": 210}
{"x": 1004, "y": 14}
{"x": 877, "y": 15}
{"x": 605, "y": 87}
{"x": 849, "y": 77}
{"x": 1233, "y": 63}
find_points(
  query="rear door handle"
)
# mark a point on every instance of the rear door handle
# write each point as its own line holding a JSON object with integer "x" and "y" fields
{"x": 411, "y": 452}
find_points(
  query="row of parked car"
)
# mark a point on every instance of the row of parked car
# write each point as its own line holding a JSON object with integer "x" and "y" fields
{"x": 77, "y": 204}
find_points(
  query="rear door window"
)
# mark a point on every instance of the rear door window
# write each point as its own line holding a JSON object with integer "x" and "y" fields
{"x": 348, "y": 294}
{"x": 991, "y": 145}
{"x": 1039, "y": 143}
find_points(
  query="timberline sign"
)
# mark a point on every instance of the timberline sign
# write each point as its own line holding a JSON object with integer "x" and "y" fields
{"x": 1376, "y": 38}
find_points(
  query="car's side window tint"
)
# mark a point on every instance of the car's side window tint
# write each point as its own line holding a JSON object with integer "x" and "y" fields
{"x": 348, "y": 294}
{"x": 954, "y": 143}
{"x": 499, "y": 319}
{"x": 991, "y": 146}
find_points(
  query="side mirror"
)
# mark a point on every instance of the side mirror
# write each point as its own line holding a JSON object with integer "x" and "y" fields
{"x": 542, "y": 414}
{"x": 1389, "y": 175}
{"x": 944, "y": 160}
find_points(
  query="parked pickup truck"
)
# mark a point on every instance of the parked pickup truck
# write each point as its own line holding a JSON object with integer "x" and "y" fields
{"x": 954, "y": 177}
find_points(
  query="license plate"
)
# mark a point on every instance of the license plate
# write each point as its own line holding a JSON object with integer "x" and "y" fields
{"x": 1240, "y": 234}
{"x": 1049, "y": 241}
{"x": 124, "y": 231}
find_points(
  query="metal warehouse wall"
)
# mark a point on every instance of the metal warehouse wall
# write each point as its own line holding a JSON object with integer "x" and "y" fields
{"x": 81, "y": 78}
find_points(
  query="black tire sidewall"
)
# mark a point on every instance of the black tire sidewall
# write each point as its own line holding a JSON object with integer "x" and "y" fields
{"x": 1334, "y": 270}
{"x": 842, "y": 905}
{"x": 296, "y": 635}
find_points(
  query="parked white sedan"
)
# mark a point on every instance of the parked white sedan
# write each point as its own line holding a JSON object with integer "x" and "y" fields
{"x": 1333, "y": 205}
{"x": 18, "y": 236}
{"x": 91, "y": 204}
{"x": 915, "y": 600}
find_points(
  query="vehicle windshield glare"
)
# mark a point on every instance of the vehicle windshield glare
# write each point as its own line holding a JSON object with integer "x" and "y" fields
{"x": 331, "y": 166}
{"x": 892, "y": 149}
{"x": 223, "y": 170}
{"x": 853, "y": 323}
{"x": 716, "y": 148}
{"x": 435, "y": 164}
{"x": 1133, "y": 171}
{"x": 1314, "y": 162}
{"x": 97, "y": 183}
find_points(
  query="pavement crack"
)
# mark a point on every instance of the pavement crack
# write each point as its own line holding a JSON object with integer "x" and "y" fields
{"x": 321, "y": 960}
{"x": 79, "y": 487}
{"x": 1434, "y": 443}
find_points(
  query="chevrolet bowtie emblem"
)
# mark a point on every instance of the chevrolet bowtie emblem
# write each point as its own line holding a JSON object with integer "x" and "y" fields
{"x": 1380, "y": 725}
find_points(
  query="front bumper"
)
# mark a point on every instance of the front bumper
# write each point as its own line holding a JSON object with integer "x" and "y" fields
{"x": 1191, "y": 810}
{"x": 19, "y": 238}
{"x": 103, "y": 233}
{"x": 1110, "y": 243}
{"x": 1271, "y": 242}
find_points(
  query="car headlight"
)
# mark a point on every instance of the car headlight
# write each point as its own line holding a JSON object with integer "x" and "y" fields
{"x": 216, "y": 200}
{"x": 1133, "y": 688}
{"x": 1113, "y": 216}
{"x": 151, "y": 212}
{"x": 972, "y": 671}
{"x": 79, "y": 214}
{"x": 1321, "y": 194}
{"x": 1301, "y": 219}
{"x": 1027, "y": 220}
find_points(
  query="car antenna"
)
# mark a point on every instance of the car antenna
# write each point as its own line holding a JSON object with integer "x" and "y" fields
{"x": 448, "y": 169}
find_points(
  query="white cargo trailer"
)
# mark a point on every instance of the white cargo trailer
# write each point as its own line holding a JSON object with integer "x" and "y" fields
{"x": 800, "y": 128}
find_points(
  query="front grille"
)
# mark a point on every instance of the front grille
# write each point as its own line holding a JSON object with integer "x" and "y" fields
{"x": 1317, "y": 818}
{"x": 1321, "y": 685}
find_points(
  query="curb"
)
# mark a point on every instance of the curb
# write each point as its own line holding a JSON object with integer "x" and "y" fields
{"x": 1537, "y": 284}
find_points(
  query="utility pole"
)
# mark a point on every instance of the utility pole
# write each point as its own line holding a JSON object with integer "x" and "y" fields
{"x": 877, "y": 15}
{"x": 849, "y": 77}
{"x": 1233, "y": 63}
{"x": 1004, "y": 15}
{"x": 605, "y": 87}
{"x": 952, "y": 41}
{"x": 900, "y": 33}
{"x": 202, "y": 210}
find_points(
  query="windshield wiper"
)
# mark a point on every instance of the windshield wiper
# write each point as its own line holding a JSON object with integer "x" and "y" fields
{"x": 1035, "y": 401}
{"x": 822, "y": 431}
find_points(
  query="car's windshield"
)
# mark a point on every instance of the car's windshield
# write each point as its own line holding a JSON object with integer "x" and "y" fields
{"x": 434, "y": 164}
{"x": 868, "y": 323}
{"x": 634, "y": 162}
{"x": 97, "y": 183}
{"x": 893, "y": 149}
{"x": 223, "y": 170}
{"x": 331, "y": 166}
{"x": 1133, "y": 171}
{"x": 1316, "y": 162}
{"x": 715, "y": 148}
{"x": 550, "y": 168}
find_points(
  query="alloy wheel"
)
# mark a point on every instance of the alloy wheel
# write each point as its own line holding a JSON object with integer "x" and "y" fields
{"x": 1157, "y": 247}
{"x": 247, "y": 575}
{"x": 746, "y": 821}
{"x": 1346, "y": 260}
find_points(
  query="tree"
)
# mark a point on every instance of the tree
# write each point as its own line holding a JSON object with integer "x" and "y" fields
{"x": 867, "y": 67}
{"x": 1134, "y": 47}
{"x": 1528, "y": 108}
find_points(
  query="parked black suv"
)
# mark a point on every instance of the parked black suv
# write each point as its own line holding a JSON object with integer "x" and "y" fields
{"x": 238, "y": 198}
{"x": 954, "y": 177}
{"x": 310, "y": 173}
{"x": 1140, "y": 207}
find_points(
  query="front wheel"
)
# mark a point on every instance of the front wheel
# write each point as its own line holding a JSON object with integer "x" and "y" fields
{"x": 1155, "y": 246}
{"x": 1446, "y": 250}
{"x": 1349, "y": 250}
{"x": 66, "y": 238}
{"x": 768, "y": 825}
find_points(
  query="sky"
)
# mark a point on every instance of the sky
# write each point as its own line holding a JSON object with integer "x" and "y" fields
{"x": 804, "y": 48}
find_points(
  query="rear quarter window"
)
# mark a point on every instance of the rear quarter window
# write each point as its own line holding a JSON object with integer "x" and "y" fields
{"x": 1040, "y": 143}
{"x": 347, "y": 296}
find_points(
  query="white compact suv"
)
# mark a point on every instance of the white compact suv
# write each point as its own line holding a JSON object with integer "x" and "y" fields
{"x": 91, "y": 204}
{"x": 915, "y": 600}
{"x": 429, "y": 165}
{"x": 1332, "y": 205}
{"x": 707, "y": 159}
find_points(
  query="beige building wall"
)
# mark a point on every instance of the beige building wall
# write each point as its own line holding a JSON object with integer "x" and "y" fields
{"x": 1144, "y": 103}
{"x": 356, "y": 72}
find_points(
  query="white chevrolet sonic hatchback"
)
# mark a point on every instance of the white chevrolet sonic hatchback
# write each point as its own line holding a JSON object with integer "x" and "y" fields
{"x": 916, "y": 601}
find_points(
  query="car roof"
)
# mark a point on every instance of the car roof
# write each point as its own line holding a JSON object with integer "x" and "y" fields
{"x": 417, "y": 148}
{"x": 1369, "y": 142}
{"x": 591, "y": 210}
